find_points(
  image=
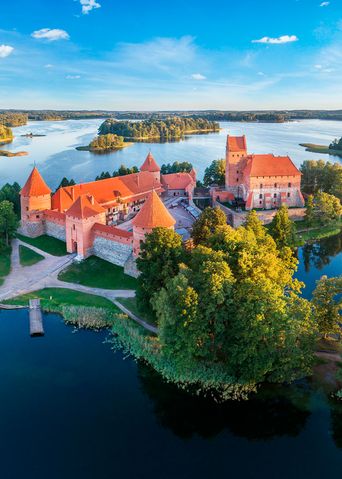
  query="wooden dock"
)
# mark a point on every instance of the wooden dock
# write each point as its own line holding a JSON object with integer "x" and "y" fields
{"x": 36, "y": 318}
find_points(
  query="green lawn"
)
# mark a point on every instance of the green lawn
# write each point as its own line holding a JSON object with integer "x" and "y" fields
{"x": 97, "y": 273}
{"x": 56, "y": 297}
{"x": 5, "y": 263}
{"x": 28, "y": 257}
{"x": 131, "y": 305}
{"x": 46, "y": 243}
{"x": 316, "y": 231}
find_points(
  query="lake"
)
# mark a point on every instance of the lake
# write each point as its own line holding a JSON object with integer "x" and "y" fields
{"x": 55, "y": 153}
{"x": 72, "y": 408}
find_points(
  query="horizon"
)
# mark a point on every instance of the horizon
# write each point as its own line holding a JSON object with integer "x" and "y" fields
{"x": 89, "y": 55}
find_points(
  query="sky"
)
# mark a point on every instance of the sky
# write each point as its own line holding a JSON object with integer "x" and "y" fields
{"x": 181, "y": 54}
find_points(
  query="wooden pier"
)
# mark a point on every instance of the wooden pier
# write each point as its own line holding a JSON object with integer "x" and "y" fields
{"x": 36, "y": 318}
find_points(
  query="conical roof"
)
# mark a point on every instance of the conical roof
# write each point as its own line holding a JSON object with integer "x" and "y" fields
{"x": 84, "y": 207}
{"x": 35, "y": 185}
{"x": 153, "y": 214}
{"x": 150, "y": 164}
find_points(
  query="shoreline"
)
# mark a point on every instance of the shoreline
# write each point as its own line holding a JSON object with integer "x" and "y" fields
{"x": 325, "y": 150}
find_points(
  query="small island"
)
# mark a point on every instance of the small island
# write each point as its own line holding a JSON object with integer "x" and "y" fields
{"x": 13, "y": 153}
{"x": 31, "y": 135}
{"x": 103, "y": 143}
{"x": 335, "y": 148}
{"x": 158, "y": 130}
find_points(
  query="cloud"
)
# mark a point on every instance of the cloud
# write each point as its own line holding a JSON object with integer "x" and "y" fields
{"x": 198, "y": 76}
{"x": 73, "y": 77}
{"x": 88, "y": 6}
{"x": 319, "y": 66}
{"x": 48, "y": 65}
{"x": 277, "y": 40}
{"x": 261, "y": 74}
{"x": 5, "y": 50}
{"x": 324, "y": 4}
{"x": 50, "y": 34}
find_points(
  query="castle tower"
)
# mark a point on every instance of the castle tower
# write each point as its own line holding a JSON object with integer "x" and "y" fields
{"x": 79, "y": 220}
{"x": 236, "y": 151}
{"x": 152, "y": 166}
{"x": 153, "y": 214}
{"x": 35, "y": 197}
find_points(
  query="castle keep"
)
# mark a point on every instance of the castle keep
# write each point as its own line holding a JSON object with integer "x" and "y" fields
{"x": 108, "y": 218}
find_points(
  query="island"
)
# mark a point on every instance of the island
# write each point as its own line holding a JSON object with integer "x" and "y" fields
{"x": 13, "y": 153}
{"x": 158, "y": 130}
{"x": 103, "y": 143}
{"x": 335, "y": 148}
{"x": 31, "y": 135}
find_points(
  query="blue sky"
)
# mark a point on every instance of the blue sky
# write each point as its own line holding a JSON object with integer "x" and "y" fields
{"x": 134, "y": 55}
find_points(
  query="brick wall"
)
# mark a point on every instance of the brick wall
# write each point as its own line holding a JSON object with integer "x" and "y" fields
{"x": 112, "y": 251}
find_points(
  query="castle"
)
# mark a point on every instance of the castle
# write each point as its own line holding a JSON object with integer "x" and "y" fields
{"x": 258, "y": 181}
{"x": 87, "y": 216}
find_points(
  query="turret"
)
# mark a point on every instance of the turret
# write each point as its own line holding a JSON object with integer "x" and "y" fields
{"x": 153, "y": 214}
{"x": 236, "y": 150}
{"x": 152, "y": 166}
{"x": 35, "y": 197}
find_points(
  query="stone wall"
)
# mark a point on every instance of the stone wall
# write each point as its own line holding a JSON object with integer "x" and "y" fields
{"x": 32, "y": 229}
{"x": 112, "y": 251}
{"x": 54, "y": 229}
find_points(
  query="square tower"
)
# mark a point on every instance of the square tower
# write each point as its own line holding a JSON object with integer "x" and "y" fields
{"x": 236, "y": 152}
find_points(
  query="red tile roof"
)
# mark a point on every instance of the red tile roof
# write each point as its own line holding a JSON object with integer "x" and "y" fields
{"x": 84, "y": 207}
{"x": 35, "y": 185}
{"x": 153, "y": 214}
{"x": 270, "y": 165}
{"x": 108, "y": 190}
{"x": 177, "y": 181}
{"x": 150, "y": 164}
{"x": 112, "y": 230}
{"x": 236, "y": 143}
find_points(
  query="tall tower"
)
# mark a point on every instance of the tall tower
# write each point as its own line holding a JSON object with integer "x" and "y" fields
{"x": 152, "y": 166}
{"x": 35, "y": 197}
{"x": 236, "y": 151}
{"x": 152, "y": 215}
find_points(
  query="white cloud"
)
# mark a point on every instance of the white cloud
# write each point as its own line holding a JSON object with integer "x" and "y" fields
{"x": 319, "y": 66}
{"x": 5, "y": 50}
{"x": 88, "y": 6}
{"x": 73, "y": 77}
{"x": 198, "y": 76}
{"x": 277, "y": 40}
{"x": 324, "y": 4}
{"x": 261, "y": 74}
{"x": 48, "y": 65}
{"x": 50, "y": 34}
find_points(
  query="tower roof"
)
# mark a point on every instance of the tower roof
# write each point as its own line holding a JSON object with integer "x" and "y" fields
{"x": 270, "y": 165}
{"x": 84, "y": 207}
{"x": 236, "y": 143}
{"x": 35, "y": 185}
{"x": 150, "y": 164}
{"x": 153, "y": 214}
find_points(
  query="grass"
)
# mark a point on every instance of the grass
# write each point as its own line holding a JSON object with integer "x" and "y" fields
{"x": 56, "y": 297}
{"x": 320, "y": 149}
{"x": 28, "y": 257}
{"x": 316, "y": 231}
{"x": 131, "y": 305}
{"x": 5, "y": 262}
{"x": 98, "y": 273}
{"x": 46, "y": 243}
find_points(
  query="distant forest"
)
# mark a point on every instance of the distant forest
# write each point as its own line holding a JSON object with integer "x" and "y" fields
{"x": 173, "y": 127}
{"x": 14, "y": 118}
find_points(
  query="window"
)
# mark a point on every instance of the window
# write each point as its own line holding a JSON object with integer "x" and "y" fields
{"x": 260, "y": 202}
{"x": 275, "y": 185}
{"x": 289, "y": 185}
{"x": 260, "y": 196}
{"x": 237, "y": 179}
{"x": 73, "y": 227}
{"x": 237, "y": 172}
{"x": 288, "y": 195}
{"x": 37, "y": 216}
{"x": 275, "y": 195}
{"x": 26, "y": 208}
{"x": 261, "y": 185}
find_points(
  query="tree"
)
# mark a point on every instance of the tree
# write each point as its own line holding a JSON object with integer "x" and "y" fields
{"x": 8, "y": 221}
{"x": 206, "y": 224}
{"x": 282, "y": 229}
{"x": 309, "y": 212}
{"x": 318, "y": 175}
{"x": 159, "y": 259}
{"x": 327, "y": 303}
{"x": 65, "y": 182}
{"x": 254, "y": 224}
{"x": 11, "y": 193}
{"x": 176, "y": 167}
{"x": 328, "y": 207}
{"x": 215, "y": 173}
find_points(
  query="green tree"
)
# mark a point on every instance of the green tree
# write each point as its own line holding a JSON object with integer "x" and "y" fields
{"x": 215, "y": 173}
{"x": 327, "y": 303}
{"x": 254, "y": 224}
{"x": 328, "y": 207}
{"x": 11, "y": 193}
{"x": 65, "y": 182}
{"x": 309, "y": 212}
{"x": 5, "y": 133}
{"x": 207, "y": 223}
{"x": 8, "y": 221}
{"x": 282, "y": 229}
{"x": 159, "y": 259}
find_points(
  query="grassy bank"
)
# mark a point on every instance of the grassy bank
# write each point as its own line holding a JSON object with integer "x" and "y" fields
{"x": 46, "y": 243}
{"x": 320, "y": 149}
{"x": 28, "y": 257}
{"x": 78, "y": 309}
{"x": 97, "y": 273}
{"x": 316, "y": 231}
{"x": 5, "y": 263}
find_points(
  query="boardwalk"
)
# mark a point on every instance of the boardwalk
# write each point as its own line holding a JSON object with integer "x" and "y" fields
{"x": 36, "y": 318}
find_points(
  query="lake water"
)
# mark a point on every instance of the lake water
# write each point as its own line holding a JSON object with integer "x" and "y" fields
{"x": 56, "y": 156}
{"x": 72, "y": 408}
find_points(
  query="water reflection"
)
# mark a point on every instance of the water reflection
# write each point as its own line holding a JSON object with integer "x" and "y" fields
{"x": 273, "y": 412}
{"x": 320, "y": 254}
{"x": 336, "y": 424}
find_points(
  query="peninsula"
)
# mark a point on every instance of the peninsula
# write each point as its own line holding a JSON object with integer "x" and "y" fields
{"x": 335, "y": 148}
